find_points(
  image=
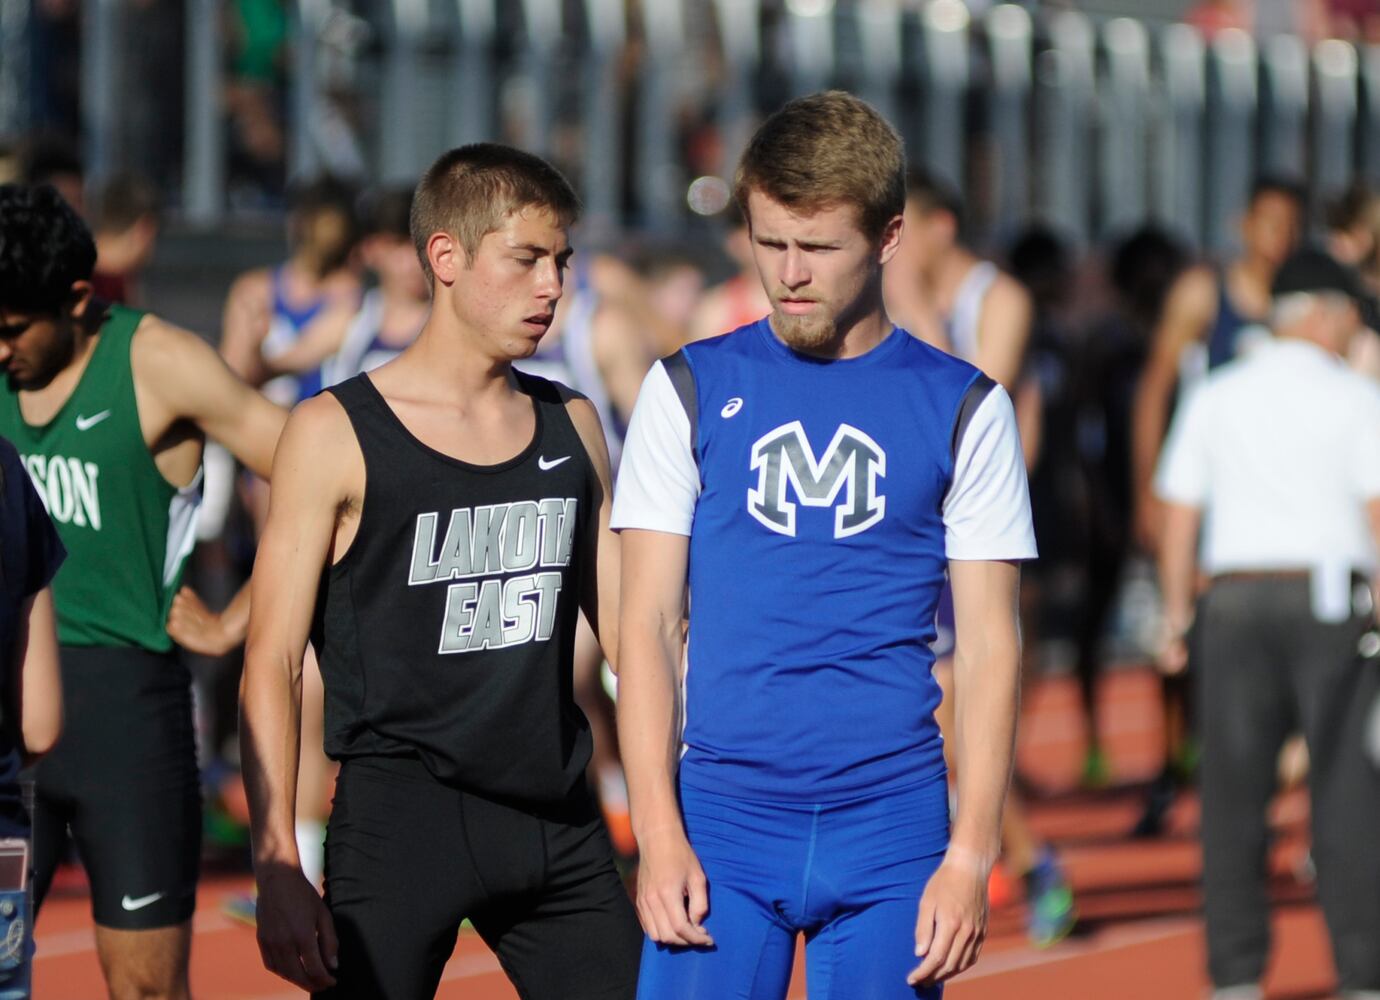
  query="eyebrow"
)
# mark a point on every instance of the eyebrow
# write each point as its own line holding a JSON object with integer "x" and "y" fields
{"x": 539, "y": 250}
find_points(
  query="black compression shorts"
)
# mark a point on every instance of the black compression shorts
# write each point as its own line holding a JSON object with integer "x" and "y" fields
{"x": 408, "y": 858}
{"x": 123, "y": 778}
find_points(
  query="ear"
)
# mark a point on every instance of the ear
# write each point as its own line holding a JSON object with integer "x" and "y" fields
{"x": 81, "y": 294}
{"x": 446, "y": 257}
{"x": 891, "y": 238}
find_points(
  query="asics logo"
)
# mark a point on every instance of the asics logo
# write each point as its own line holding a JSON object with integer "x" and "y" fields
{"x": 142, "y": 901}
{"x": 547, "y": 465}
{"x": 732, "y": 407}
{"x": 86, "y": 423}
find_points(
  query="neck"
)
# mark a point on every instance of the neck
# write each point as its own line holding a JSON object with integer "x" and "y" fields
{"x": 83, "y": 344}
{"x": 305, "y": 266}
{"x": 448, "y": 355}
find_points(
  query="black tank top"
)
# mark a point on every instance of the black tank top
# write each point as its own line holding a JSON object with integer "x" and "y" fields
{"x": 447, "y": 630}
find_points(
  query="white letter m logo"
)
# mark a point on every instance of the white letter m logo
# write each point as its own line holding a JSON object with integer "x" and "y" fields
{"x": 784, "y": 460}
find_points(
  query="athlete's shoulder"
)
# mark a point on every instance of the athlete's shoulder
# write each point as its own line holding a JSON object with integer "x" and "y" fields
{"x": 1008, "y": 294}
{"x": 161, "y": 351}
{"x": 322, "y": 419}
{"x": 256, "y": 283}
{"x": 1192, "y": 301}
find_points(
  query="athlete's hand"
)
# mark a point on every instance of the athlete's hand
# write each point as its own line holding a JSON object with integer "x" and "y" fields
{"x": 196, "y": 628}
{"x": 296, "y": 934}
{"x": 672, "y": 893}
{"x": 952, "y": 923}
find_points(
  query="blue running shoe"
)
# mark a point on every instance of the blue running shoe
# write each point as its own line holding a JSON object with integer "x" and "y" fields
{"x": 1049, "y": 901}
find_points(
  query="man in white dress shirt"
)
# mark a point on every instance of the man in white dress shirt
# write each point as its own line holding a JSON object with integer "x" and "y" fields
{"x": 1276, "y": 460}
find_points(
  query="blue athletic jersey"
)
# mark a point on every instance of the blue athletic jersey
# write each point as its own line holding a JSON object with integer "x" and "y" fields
{"x": 817, "y": 551}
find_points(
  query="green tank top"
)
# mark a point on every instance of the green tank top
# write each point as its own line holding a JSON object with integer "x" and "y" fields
{"x": 127, "y": 530}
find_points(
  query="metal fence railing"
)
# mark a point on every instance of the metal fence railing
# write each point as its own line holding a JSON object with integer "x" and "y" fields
{"x": 1089, "y": 124}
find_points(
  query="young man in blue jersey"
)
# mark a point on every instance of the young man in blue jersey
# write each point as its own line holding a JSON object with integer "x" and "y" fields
{"x": 807, "y": 480}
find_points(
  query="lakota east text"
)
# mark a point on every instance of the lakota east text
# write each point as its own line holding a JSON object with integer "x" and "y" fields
{"x": 482, "y": 546}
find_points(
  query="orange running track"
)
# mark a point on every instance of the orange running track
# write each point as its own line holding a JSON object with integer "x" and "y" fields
{"x": 1140, "y": 936}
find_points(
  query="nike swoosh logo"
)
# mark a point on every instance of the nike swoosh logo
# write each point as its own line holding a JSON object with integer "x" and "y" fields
{"x": 142, "y": 901}
{"x": 546, "y": 466}
{"x": 86, "y": 423}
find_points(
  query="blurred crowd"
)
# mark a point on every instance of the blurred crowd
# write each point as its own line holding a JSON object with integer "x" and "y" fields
{"x": 256, "y": 68}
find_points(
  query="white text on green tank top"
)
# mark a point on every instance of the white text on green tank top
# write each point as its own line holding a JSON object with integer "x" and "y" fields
{"x": 68, "y": 488}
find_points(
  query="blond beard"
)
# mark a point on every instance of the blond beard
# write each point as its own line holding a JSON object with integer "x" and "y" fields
{"x": 804, "y": 333}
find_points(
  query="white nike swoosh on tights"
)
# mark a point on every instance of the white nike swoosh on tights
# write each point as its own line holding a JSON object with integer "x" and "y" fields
{"x": 86, "y": 423}
{"x": 546, "y": 466}
{"x": 142, "y": 901}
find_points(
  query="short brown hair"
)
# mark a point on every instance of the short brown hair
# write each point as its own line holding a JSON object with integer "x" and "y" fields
{"x": 469, "y": 191}
{"x": 824, "y": 150}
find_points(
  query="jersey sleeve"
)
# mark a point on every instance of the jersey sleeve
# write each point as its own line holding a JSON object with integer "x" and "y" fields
{"x": 1182, "y": 475}
{"x": 658, "y": 479}
{"x": 987, "y": 509}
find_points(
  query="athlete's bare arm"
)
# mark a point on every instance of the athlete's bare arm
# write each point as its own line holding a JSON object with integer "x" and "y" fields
{"x": 318, "y": 483}
{"x": 672, "y": 896}
{"x": 953, "y": 910}
{"x": 178, "y": 377}
{"x": 623, "y": 357}
{"x": 599, "y": 588}
{"x": 36, "y": 694}
{"x": 321, "y": 338}
{"x": 1188, "y": 312}
{"x": 244, "y": 324}
{"x": 198, "y": 629}
{"x": 1178, "y": 567}
{"x": 1373, "y": 516}
{"x": 1003, "y": 332}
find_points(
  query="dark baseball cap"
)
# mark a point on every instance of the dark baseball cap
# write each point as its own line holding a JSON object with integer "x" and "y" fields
{"x": 1312, "y": 270}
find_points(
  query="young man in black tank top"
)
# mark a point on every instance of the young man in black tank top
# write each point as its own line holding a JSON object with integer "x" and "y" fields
{"x": 437, "y": 527}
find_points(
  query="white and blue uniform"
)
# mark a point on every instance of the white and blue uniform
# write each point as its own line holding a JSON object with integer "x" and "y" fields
{"x": 823, "y": 501}
{"x": 365, "y": 347}
{"x": 287, "y": 323}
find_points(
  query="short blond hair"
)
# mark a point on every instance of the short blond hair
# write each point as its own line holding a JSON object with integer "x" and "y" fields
{"x": 824, "y": 150}
{"x": 469, "y": 191}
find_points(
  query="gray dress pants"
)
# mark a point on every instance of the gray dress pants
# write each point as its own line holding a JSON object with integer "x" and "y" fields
{"x": 1267, "y": 667}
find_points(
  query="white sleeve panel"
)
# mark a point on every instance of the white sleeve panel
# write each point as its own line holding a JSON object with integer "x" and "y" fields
{"x": 1182, "y": 475}
{"x": 658, "y": 480}
{"x": 987, "y": 509}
